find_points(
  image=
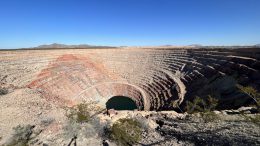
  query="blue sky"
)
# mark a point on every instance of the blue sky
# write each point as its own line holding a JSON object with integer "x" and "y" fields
{"x": 28, "y": 23}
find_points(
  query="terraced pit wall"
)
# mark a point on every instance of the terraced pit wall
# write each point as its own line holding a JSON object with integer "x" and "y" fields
{"x": 154, "y": 78}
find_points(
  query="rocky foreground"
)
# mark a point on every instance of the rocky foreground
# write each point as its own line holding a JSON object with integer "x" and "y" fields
{"x": 26, "y": 116}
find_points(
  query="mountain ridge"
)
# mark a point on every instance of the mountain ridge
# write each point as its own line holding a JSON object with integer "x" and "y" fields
{"x": 57, "y": 45}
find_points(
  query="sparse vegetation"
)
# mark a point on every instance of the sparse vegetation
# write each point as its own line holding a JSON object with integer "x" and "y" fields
{"x": 125, "y": 132}
{"x": 252, "y": 93}
{"x": 209, "y": 116}
{"x": 3, "y": 91}
{"x": 204, "y": 107}
{"x": 21, "y": 136}
{"x": 195, "y": 105}
{"x": 80, "y": 113}
{"x": 253, "y": 119}
{"x": 200, "y": 105}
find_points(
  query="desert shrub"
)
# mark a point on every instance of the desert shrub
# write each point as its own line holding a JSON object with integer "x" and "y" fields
{"x": 201, "y": 105}
{"x": 82, "y": 122}
{"x": 252, "y": 93}
{"x": 3, "y": 91}
{"x": 195, "y": 105}
{"x": 204, "y": 107}
{"x": 125, "y": 132}
{"x": 83, "y": 114}
{"x": 211, "y": 103}
{"x": 21, "y": 136}
{"x": 80, "y": 113}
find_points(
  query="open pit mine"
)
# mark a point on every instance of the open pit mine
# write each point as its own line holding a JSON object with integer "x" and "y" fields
{"x": 42, "y": 83}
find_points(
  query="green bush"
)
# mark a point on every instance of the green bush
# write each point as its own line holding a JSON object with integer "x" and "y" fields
{"x": 80, "y": 113}
{"x": 125, "y": 132}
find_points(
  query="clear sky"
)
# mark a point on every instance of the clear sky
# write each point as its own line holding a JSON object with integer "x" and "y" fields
{"x": 28, "y": 23}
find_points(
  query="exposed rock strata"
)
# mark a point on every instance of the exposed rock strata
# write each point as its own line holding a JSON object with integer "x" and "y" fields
{"x": 156, "y": 79}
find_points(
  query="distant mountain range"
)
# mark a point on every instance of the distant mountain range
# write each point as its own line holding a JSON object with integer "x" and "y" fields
{"x": 56, "y": 45}
{"x": 86, "y": 46}
{"x": 195, "y": 45}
